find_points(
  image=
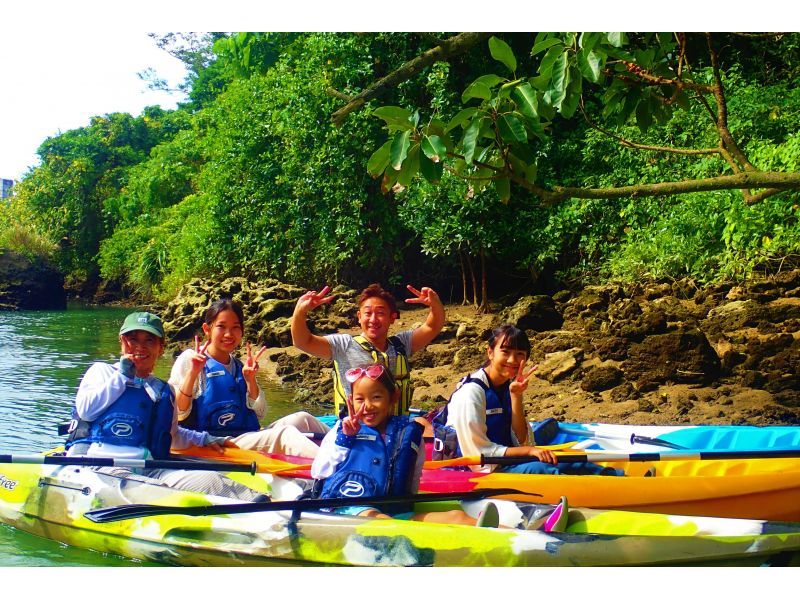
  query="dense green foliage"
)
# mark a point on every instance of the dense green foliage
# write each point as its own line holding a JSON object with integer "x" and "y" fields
{"x": 250, "y": 177}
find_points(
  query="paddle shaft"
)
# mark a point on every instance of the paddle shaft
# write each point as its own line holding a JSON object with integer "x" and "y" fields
{"x": 633, "y": 438}
{"x": 601, "y": 457}
{"x": 132, "y": 511}
{"x": 129, "y": 463}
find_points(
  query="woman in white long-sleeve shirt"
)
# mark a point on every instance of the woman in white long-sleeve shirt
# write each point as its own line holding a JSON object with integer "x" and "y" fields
{"x": 124, "y": 411}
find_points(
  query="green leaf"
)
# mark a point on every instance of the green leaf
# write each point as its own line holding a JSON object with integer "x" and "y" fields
{"x": 616, "y": 39}
{"x": 389, "y": 179}
{"x": 410, "y": 166}
{"x": 590, "y": 64}
{"x": 502, "y": 52}
{"x": 460, "y": 118}
{"x": 434, "y": 148}
{"x": 432, "y": 171}
{"x": 526, "y": 99}
{"x": 503, "y": 187}
{"x": 470, "y": 139}
{"x": 490, "y": 80}
{"x": 546, "y": 66}
{"x": 511, "y": 129}
{"x": 545, "y": 44}
{"x": 644, "y": 117}
{"x": 557, "y": 89}
{"x": 588, "y": 41}
{"x": 393, "y": 114}
{"x": 379, "y": 160}
{"x": 573, "y": 95}
{"x": 476, "y": 90}
{"x": 399, "y": 149}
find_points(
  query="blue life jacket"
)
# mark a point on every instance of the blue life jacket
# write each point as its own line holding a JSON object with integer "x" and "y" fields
{"x": 222, "y": 408}
{"x": 498, "y": 421}
{"x": 140, "y": 417}
{"x": 378, "y": 465}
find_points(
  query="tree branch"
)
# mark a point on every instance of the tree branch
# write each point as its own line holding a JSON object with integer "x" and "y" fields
{"x": 722, "y": 112}
{"x": 458, "y": 44}
{"x": 652, "y": 148}
{"x": 775, "y": 181}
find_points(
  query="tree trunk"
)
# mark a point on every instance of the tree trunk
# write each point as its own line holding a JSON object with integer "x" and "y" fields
{"x": 474, "y": 282}
{"x": 464, "y": 300}
{"x": 483, "y": 308}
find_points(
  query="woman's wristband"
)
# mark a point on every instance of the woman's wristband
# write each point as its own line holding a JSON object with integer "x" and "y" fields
{"x": 184, "y": 393}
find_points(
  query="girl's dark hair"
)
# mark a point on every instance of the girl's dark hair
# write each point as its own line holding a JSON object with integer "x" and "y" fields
{"x": 386, "y": 378}
{"x": 511, "y": 337}
{"x": 221, "y": 305}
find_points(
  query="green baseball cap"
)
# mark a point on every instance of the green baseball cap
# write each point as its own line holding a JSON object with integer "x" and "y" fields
{"x": 142, "y": 320}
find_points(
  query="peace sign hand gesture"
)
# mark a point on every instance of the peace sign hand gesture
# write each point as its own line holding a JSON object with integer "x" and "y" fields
{"x": 425, "y": 296}
{"x": 198, "y": 360}
{"x": 251, "y": 364}
{"x": 520, "y": 382}
{"x": 352, "y": 423}
{"x": 312, "y": 300}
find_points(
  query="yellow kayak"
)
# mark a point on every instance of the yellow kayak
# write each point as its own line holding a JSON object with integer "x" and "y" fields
{"x": 766, "y": 488}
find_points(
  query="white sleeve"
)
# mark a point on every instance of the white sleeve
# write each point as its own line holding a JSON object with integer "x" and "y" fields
{"x": 466, "y": 413}
{"x": 100, "y": 388}
{"x": 330, "y": 455}
{"x": 259, "y": 404}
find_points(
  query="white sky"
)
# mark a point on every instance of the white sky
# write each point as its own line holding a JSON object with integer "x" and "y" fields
{"x": 62, "y": 62}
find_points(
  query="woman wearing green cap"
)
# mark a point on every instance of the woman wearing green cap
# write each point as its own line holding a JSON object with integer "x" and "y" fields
{"x": 123, "y": 411}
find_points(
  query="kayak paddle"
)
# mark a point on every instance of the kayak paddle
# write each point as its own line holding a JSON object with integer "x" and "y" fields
{"x": 601, "y": 457}
{"x": 129, "y": 463}
{"x": 122, "y": 512}
{"x": 634, "y": 439}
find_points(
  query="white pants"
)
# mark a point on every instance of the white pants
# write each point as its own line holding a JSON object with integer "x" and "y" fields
{"x": 285, "y": 436}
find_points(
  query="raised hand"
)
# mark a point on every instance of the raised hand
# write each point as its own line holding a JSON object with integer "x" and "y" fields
{"x": 313, "y": 299}
{"x": 126, "y": 364}
{"x": 251, "y": 363}
{"x": 200, "y": 356}
{"x": 520, "y": 382}
{"x": 352, "y": 423}
{"x": 425, "y": 296}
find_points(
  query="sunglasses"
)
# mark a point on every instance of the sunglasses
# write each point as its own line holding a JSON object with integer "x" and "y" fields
{"x": 372, "y": 372}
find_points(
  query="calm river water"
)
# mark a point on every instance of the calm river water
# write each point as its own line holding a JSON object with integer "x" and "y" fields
{"x": 43, "y": 356}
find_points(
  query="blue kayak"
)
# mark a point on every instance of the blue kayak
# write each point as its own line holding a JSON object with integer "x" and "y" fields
{"x": 644, "y": 438}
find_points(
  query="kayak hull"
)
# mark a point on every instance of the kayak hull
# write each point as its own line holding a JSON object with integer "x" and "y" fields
{"x": 50, "y": 501}
{"x": 742, "y": 488}
{"x": 617, "y": 437}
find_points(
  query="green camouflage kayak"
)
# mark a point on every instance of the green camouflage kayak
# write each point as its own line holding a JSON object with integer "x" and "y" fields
{"x": 50, "y": 501}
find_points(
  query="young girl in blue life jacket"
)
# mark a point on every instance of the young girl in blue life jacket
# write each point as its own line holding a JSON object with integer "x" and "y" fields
{"x": 218, "y": 393}
{"x": 486, "y": 416}
{"x": 123, "y": 411}
{"x": 373, "y": 453}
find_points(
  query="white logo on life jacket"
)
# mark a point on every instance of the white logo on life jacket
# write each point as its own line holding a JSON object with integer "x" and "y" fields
{"x": 122, "y": 430}
{"x": 223, "y": 419}
{"x": 351, "y": 488}
{"x": 438, "y": 445}
{"x": 73, "y": 424}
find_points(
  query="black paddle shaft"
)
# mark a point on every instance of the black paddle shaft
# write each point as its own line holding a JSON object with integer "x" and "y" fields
{"x": 121, "y": 512}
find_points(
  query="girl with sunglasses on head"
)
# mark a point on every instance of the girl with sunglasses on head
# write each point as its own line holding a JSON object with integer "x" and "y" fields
{"x": 374, "y": 453}
{"x": 218, "y": 393}
{"x": 486, "y": 415}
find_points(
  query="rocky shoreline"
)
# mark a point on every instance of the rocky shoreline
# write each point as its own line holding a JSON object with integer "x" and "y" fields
{"x": 660, "y": 353}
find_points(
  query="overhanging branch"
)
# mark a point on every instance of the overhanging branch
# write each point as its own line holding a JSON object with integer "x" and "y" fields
{"x": 775, "y": 181}
{"x": 453, "y": 46}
